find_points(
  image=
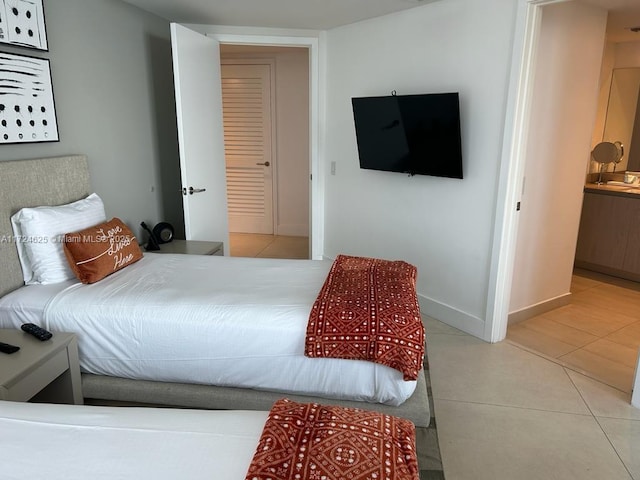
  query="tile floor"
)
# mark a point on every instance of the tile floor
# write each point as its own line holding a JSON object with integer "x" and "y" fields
{"x": 597, "y": 333}
{"x": 268, "y": 246}
{"x": 505, "y": 413}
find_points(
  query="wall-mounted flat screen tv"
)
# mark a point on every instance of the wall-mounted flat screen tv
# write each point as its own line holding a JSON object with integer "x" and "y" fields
{"x": 413, "y": 134}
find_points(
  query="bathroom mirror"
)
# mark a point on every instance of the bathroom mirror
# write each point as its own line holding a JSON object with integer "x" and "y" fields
{"x": 622, "y": 123}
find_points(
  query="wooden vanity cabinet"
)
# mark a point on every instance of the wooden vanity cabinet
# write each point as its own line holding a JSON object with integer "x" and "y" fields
{"x": 609, "y": 235}
{"x": 632, "y": 254}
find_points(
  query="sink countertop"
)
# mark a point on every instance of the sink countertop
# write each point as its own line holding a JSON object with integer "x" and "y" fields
{"x": 631, "y": 190}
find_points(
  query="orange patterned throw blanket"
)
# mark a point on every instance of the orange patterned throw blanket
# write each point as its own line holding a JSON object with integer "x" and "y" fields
{"x": 303, "y": 441}
{"x": 368, "y": 309}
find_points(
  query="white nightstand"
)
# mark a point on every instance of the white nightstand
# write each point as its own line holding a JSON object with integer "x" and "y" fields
{"x": 46, "y": 371}
{"x": 191, "y": 247}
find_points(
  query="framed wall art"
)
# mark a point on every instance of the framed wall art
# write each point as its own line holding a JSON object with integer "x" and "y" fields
{"x": 27, "y": 110}
{"x": 22, "y": 24}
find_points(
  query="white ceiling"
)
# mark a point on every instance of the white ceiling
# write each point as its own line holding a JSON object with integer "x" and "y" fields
{"x": 326, "y": 14}
{"x": 620, "y": 22}
{"x": 304, "y": 14}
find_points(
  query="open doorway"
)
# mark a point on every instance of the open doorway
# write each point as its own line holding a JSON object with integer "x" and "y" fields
{"x": 193, "y": 49}
{"x": 587, "y": 323}
{"x": 265, "y": 91}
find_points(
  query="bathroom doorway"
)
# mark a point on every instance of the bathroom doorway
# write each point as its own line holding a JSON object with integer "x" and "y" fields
{"x": 593, "y": 327}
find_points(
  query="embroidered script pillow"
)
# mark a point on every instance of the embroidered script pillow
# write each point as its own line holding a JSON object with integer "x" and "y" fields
{"x": 98, "y": 251}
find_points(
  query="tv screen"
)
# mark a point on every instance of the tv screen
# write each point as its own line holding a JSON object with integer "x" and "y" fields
{"x": 413, "y": 134}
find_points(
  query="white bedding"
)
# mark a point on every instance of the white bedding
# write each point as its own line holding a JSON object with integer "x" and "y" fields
{"x": 64, "y": 442}
{"x": 206, "y": 319}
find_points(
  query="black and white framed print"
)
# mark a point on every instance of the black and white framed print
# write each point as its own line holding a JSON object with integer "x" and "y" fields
{"x": 22, "y": 24}
{"x": 27, "y": 111}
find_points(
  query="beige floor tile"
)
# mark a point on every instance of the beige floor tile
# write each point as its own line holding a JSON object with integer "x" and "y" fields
{"x": 248, "y": 245}
{"x": 601, "y": 307}
{"x": 627, "y": 289}
{"x": 580, "y": 283}
{"x": 614, "y": 351}
{"x": 539, "y": 341}
{"x": 467, "y": 369}
{"x": 486, "y": 396}
{"x": 590, "y": 318}
{"x": 559, "y": 331}
{"x": 492, "y": 442}
{"x": 607, "y": 279}
{"x": 614, "y": 374}
{"x": 268, "y": 246}
{"x": 628, "y": 336}
{"x": 603, "y": 400}
{"x": 289, "y": 247}
{"x": 612, "y": 299}
{"x": 625, "y": 437}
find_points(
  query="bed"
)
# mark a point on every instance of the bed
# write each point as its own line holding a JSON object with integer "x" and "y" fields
{"x": 28, "y": 183}
{"x": 64, "y": 442}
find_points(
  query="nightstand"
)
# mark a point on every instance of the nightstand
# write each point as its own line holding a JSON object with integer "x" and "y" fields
{"x": 46, "y": 371}
{"x": 191, "y": 247}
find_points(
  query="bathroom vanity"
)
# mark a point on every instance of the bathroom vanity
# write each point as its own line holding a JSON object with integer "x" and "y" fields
{"x": 609, "y": 235}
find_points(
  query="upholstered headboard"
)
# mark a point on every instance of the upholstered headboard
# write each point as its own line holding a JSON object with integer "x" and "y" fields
{"x": 30, "y": 183}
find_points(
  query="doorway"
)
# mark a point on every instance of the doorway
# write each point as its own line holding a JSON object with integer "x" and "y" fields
{"x": 268, "y": 158}
{"x": 594, "y": 330}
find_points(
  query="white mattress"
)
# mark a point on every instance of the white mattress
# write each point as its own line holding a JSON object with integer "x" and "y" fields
{"x": 64, "y": 442}
{"x": 205, "y": 319}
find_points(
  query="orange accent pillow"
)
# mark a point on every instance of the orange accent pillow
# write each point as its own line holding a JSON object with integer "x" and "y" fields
{"x": 98, "y": 251}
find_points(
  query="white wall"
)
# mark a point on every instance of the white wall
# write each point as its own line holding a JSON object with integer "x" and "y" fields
{"x": 443, "y": 226}
{"x": 292, "y": 131}
{"x": 113, "y": 88}
{"x": 562, "y": 120}
{"x": 627, "y": 55}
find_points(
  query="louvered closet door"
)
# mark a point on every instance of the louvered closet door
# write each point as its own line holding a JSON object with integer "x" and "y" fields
{"x": 246, "y": 99}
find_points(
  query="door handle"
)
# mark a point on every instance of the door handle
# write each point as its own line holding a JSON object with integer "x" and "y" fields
{"x": 193, "y": 190}
{"x": 266, "y": 164}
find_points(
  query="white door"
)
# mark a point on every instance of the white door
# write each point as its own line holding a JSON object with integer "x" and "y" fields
{"x": 196, "y": 67}
{"x": 246, "y": 100}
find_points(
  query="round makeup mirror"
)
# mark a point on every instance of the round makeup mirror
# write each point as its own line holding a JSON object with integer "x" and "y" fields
{"x": 605, "y": 153}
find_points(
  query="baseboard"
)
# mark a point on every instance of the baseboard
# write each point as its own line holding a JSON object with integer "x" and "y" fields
{"x": 452, "y": 316}
{"x": 476, "y": 326}
{"x": 539, "y": 309}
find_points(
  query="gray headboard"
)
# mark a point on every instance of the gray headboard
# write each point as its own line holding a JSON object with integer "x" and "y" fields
{"x": 30, "y": 183}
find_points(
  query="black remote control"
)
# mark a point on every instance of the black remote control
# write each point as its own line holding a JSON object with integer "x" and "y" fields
{"x": 38, "y": 332}
{"x": 6, "y": 348}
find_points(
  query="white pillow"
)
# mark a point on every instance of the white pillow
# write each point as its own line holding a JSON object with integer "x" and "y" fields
{"x": 39, "y": 233}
